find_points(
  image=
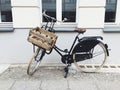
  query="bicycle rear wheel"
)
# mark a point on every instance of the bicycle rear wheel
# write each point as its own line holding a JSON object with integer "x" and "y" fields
{"x": 35, "y": 61}
{"x": 96, "y": 61}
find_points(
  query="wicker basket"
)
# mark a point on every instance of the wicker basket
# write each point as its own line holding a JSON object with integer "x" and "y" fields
{"x": 42, "y": 38}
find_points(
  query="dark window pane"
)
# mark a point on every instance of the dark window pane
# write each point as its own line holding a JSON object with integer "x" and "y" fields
{"x": 50, "y": 7}
{"x": 110, "y": 13}
{"x": 5, "y": 8}
{"x": 69, "y": 10}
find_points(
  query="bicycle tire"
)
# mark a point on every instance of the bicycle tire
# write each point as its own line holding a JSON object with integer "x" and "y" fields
{"x": 89, "y": 65}
{"x": 34, "y": 64}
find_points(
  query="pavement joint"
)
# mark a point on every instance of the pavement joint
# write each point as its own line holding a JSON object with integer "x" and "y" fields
{"x": 68, "y": 85}
{"x": 12, "y": 85}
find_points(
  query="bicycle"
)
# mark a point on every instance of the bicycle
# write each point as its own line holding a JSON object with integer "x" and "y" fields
{"x": 88, "y": 54}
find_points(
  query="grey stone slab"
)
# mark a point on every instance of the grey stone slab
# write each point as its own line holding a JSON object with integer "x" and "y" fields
{"x": 108, "y": 85}
{"x": 82, "y": 85}
{"x": 54, "y": 85}
{"x": 26, "y": 85}
{"x": 6, "y": 84}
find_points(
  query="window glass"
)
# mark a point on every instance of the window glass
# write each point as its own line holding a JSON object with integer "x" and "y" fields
{"x": 5, "y": 9}
{"x": 50, "y": 7}
{"x": 110, "y": 13}
{"x": 69, "y": 10}
{"x": 66, "y": 10}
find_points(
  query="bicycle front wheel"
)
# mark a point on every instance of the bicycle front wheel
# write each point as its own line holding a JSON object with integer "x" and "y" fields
{"x": 35, "y": 61}
{"x": 95, "y": 62}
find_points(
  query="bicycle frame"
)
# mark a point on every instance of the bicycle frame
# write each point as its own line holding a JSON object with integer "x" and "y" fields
{"x": 57, "y": 49}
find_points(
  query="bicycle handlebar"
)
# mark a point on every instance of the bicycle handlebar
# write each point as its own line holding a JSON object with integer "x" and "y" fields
{"x": 44, "y": 14}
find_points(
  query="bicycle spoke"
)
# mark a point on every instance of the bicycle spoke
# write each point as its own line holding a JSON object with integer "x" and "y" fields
{"x": 98, "y": 53}
{"x": 95, "y": 62}
{"x": 35, "y": 61}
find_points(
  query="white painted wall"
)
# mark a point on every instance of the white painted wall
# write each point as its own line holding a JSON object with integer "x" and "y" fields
{"x": 25, "y": 3}
{"x": 91, "y": 13}
{"x": 14, "y": 47}
{"x": 91, "y": 17}
{"x": 26, "y": 13}
{"x": 91, "y": 3}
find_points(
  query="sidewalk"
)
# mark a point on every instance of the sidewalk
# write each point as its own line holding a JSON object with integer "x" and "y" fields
{"x": 48, "y": 78}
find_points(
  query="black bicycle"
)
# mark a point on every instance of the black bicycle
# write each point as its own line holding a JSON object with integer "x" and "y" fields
{"x": 87, "y": 53}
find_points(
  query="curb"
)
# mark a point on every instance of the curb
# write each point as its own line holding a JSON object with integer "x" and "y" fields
{"x": 4, "y": 67}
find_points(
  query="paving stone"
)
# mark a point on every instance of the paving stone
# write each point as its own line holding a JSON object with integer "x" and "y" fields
{"x": 108, "y": 85}
{"x": 26, "y": 85}
{"x": 54, "y": 85}
{"x": 82, "y": 85}
{"x": 6, "y": 84}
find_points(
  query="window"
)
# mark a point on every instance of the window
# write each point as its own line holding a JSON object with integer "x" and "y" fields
{"x": 60, "y": 9}
{"x": 110, "y": 13}
{"x": 69, "y": 10}
{"x": 112, "y": 16}
{"x": 50, "y": 7}
{"x": 5, "y": 11}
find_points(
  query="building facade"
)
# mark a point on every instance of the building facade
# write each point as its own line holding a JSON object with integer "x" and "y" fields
{"x": 99, "y": 17}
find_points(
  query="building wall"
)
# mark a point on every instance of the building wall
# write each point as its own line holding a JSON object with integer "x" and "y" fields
{"x": 15, "y": 48}
{"x": 25, "y": 13}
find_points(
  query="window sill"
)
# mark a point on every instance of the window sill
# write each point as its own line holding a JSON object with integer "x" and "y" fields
{"x": 111, "y": 29}
{"x": 6, "y": 27}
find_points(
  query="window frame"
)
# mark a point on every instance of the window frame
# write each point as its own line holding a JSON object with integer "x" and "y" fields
{"x": 114, "y": 26}
{"x": 6, "y": 2}
{"x": 6, "y": 26}
{"x": 0, "y": 16}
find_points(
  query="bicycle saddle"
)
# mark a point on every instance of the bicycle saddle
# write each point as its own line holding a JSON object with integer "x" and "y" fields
{"x": 80, "y": 30}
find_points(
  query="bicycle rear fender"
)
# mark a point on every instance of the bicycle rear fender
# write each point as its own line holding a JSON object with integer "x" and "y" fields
{"x": 106, "y": 47}
{"x": 87, "y": 43}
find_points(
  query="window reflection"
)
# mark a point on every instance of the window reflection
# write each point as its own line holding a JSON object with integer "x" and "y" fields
{"x": 50, "y": 7}
{"x": 5, "y": 9}
{"x": 69, "y": 10}
{"x": 110, "y": 13}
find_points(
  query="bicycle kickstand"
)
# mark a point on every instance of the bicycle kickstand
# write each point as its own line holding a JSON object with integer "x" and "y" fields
{"x": 67, "y": 70}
